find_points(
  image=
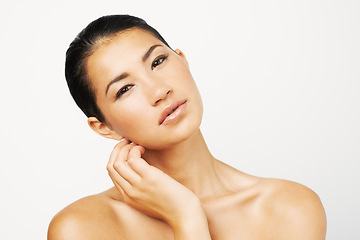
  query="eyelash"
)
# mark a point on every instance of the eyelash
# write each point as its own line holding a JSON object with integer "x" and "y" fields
{"x": 159, "y": 60}
{"x": 123, "y": 90}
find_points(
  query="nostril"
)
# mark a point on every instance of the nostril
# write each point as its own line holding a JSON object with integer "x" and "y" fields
{"x": 157, "y": 101}
{"x": 161, "y": 95}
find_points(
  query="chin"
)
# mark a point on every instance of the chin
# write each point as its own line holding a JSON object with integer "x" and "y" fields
{"x": 174, "y": 134}
{"x": 181, "y": 134}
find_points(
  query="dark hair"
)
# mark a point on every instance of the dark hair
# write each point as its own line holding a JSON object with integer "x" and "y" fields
{"x": 84, "y": 45}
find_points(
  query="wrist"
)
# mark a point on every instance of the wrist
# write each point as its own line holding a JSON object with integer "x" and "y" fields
{"x": 191, "y": 224}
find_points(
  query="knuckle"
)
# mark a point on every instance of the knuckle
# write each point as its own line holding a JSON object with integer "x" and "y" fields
{"x": 117, "y": 165}
{"x": 133, "y": 193}
{"x": 109, "y": 167}
{"x": 152, "y": 179}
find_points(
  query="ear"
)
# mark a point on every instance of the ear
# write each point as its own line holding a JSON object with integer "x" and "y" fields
{"x": 182, "y": 55}
{"x": 103, "y": 129}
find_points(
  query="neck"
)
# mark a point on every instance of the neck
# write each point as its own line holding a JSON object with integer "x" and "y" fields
{"x": 189, "y": 163}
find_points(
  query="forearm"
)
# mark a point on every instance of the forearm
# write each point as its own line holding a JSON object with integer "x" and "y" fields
{"x": 193, "y": 226}
{"x": 193, "y": 231}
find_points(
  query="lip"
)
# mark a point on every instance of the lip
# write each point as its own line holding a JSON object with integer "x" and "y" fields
{"x": 172, "y": 112}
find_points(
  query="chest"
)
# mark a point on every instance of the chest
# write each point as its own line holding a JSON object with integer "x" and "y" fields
{"x": 225, "y": 223}
{"x": 234, "y": 222}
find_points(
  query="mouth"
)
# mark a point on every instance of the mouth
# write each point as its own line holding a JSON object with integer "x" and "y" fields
{"x": 172, "y": 112}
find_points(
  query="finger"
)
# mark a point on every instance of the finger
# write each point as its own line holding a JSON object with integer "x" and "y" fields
{"x": 142, "y": 149}
{"x": 115, "y": 152}
{"x": 118, "y": 187}
{"x": 119, "y": 182}
{"x": 136, "y": 152}
{"x": 140, "y": 166}
{"x": 122, "y": 167}
{"x": 123, "y": 142}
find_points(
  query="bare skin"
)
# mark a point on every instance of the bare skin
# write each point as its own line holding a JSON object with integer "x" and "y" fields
{"x": 236, "y": 205}
{"x": 174, "y": 188}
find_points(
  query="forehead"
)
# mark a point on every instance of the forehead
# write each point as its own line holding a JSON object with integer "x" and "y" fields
{"x": 131, "y": 36}
{"x": 117, "y": 54}
{"x": 128, "y": 43}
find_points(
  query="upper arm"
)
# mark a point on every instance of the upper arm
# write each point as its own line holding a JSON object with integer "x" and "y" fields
{"x": 306, "y": 217}
{"x": 298, "y": 213}
{"x": 60, "y": 228}
{"x": 86, "y": 219}
{"x": 65, "y": 226}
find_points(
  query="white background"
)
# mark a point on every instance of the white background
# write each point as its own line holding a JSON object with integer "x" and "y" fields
{"x": 280, "y": 81}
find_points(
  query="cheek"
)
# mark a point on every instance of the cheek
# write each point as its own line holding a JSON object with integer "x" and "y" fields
{"x": 186, "y": 79}
{"x": 128, "y": 119}
{"x": 188, "y": 86}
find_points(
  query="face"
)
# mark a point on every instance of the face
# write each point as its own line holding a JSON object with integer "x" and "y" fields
{"x": 145, "y": 90}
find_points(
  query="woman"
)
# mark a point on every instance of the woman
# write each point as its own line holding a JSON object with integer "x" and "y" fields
{"x": 134, "y": 88}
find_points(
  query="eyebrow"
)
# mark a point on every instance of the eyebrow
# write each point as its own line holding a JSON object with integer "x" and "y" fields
{"x": 118, "y": 78}
{"x": 148, "y": 53}
{"x": 124, "y": 75}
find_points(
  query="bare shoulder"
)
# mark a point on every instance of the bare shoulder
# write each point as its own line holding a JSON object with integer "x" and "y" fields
{"x": 293, "y": 210}
{"x": 105, "y": 216}
{"x": 84, "y": 218}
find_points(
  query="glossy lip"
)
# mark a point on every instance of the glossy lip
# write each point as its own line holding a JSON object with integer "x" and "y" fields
{"x": 178, "y": 105}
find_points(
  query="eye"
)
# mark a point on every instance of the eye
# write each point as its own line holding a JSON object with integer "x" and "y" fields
{"x": 159, "y": 60}
{"x": 123, "y": 90}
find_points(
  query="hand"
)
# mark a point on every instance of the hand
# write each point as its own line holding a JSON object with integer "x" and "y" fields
{"x": 148, "y": 189}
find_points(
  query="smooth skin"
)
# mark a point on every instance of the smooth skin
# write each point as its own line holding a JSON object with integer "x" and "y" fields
{"x": 167, "y": 183}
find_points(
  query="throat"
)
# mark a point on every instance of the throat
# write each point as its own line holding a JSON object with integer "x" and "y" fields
{"x": 190, "y": 163}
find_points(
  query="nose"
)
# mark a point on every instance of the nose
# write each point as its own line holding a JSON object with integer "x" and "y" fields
{"x": 161, "y": 94}
{"x": 158, "y": 91}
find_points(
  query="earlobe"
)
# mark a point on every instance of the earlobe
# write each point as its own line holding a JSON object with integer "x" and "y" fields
{"x": 103, "y": 129}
